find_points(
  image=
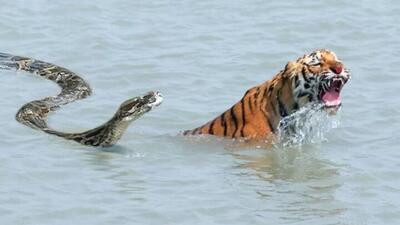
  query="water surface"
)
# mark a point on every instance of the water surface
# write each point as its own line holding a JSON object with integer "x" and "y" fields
{"x": 203, "y": 56}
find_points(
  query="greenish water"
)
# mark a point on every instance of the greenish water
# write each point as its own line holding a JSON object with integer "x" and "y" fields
{"x": 202, "y": 55}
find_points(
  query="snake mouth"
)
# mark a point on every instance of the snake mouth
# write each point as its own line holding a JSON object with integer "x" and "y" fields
{"x": 153, "y": 99}
{"x": 132, "y": 108}
{"x": 330, "y": 93}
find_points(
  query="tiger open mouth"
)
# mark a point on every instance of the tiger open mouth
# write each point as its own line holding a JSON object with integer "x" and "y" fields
{"x": 330, "y": 94}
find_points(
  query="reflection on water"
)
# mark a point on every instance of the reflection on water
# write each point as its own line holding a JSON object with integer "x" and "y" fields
{"x": 296, "y": 163}
{"x": 295, "y": 155}
{"x": 295, "y": 167}
{"x": 308, "y": 182}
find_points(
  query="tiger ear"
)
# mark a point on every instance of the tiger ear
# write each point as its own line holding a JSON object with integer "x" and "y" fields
{"x": 290, "y": 69}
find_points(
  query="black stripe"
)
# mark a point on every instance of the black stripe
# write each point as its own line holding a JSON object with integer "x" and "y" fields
{"x": 234, "y": 120}
{"x": 257, "y": 93}
{"x": 286, "y": 68}
{"x": 296, "y": 81}
{"x": 211, "y": 129}
{"x": 302, "y": 94}
{"x": 303, "y": 73}
{"x": 273, "y": 108}
{"x": 270, "y": 125}
{"x": 243, "y": 118}
{"x": 246, "y": 92}
{"x": 250, "y": 105}
{"x": 223, "y": 124}
{"x": 195, "y": 130}
{"x": 282, "y": 110}
{"x": 265, "y": 92}
{"x": 270, "y": 88}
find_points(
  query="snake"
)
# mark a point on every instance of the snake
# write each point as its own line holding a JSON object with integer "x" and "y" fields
{"x": 34, "y": 114}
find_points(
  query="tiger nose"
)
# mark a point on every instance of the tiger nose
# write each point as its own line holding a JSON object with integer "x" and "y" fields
{"x": 337, "y": 69}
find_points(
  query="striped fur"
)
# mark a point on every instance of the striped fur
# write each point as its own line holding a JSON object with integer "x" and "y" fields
{"x": 258, "y": 114}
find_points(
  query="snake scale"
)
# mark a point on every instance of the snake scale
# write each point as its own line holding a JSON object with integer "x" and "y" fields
{"x": 73, "y": 87}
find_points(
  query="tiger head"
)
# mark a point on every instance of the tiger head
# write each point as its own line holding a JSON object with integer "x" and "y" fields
{"x": 318, "y": 78}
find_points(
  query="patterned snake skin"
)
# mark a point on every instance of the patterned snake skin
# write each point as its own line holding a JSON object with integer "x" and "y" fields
{"x": 73, "y": 87}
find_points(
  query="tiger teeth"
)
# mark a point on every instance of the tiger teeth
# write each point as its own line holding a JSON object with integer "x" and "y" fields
{"x": 327, "y": 85}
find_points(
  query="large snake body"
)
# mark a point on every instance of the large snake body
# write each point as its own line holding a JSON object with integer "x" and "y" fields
{"x": 73, "y": 87}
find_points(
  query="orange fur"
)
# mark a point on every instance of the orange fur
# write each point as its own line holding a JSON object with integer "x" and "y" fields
{"x": 258, "y": 113}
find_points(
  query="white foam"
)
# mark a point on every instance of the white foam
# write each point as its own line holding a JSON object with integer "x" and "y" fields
{"x": 308, "y": 125}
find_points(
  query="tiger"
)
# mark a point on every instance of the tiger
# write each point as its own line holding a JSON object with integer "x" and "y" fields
{"x": 317, "y": 77}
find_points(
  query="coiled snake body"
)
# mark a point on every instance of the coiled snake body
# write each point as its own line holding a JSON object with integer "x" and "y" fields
{"x": 73, "y": 87}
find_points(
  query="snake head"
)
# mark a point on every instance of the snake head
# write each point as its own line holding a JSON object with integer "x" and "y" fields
{"x": 133, "y": 108}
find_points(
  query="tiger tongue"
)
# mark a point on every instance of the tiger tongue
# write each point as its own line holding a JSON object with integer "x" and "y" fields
{"x": 331, "y": 98}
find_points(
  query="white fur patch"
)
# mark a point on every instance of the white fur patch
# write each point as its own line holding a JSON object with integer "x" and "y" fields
{"x": 313, "y": 59}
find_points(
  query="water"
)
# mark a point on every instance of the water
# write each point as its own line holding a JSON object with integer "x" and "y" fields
{"x": 203, "y": 55}
{"x": 307, "y": 125}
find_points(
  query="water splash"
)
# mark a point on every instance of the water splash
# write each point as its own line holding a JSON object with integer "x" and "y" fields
{"x": 309, "y": 125}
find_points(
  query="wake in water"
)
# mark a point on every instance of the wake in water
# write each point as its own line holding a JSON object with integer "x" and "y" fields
{"x": 294, "y": 154}
{"x": 309, "y": 125}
